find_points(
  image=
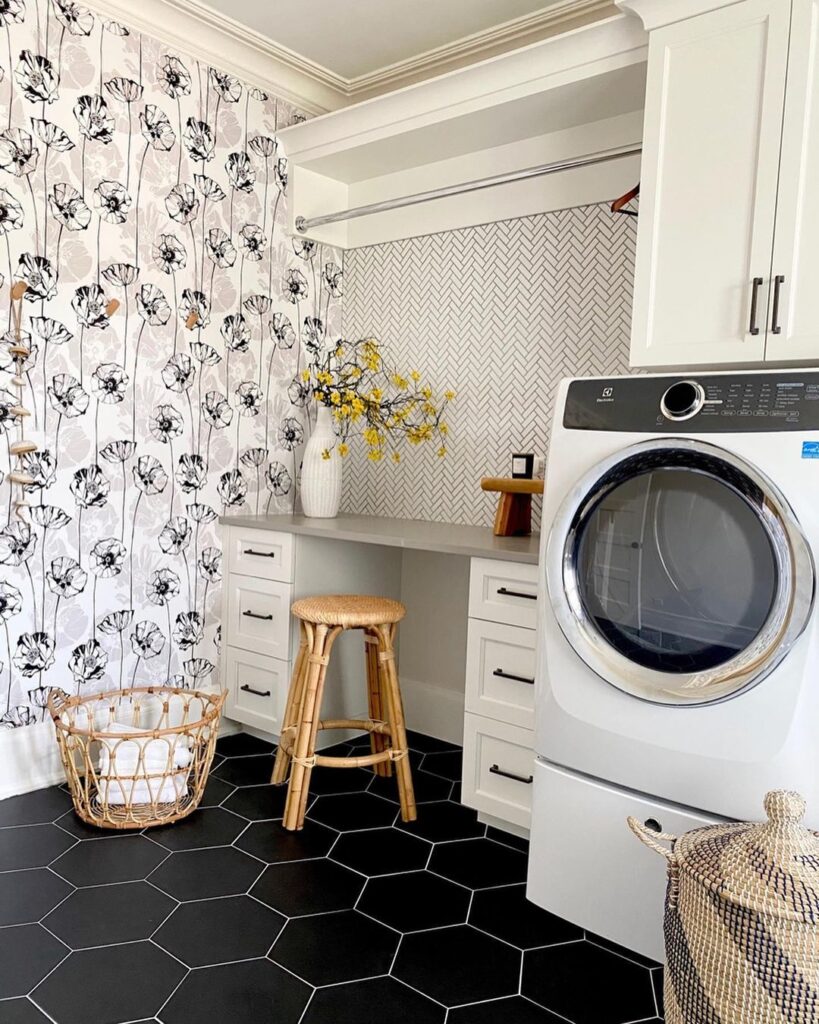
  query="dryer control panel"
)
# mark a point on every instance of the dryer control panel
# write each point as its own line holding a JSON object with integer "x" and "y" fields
{"x": 690, "y": 403}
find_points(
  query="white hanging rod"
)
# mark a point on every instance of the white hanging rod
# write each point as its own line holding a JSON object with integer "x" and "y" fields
{"x": 306, "y": 223}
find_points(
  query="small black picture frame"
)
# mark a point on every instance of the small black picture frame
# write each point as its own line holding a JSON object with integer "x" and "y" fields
{"x": 523, "y": 465}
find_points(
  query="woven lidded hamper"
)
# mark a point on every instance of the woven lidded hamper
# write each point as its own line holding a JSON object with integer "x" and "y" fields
{"x": 742, "y": 919}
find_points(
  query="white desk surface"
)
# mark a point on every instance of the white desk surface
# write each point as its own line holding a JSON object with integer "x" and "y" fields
{"x": 417, "y": 534}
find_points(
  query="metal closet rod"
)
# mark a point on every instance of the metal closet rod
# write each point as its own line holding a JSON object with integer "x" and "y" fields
{"x": 306, "y": 223}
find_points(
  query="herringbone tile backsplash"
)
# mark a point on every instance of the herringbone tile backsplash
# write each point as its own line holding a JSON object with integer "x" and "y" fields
{"x": 499, "y": 313}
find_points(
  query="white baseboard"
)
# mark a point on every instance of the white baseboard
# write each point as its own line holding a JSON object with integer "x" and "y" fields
{"x": 29, "y": 759}
{"x": 433, "y": 710}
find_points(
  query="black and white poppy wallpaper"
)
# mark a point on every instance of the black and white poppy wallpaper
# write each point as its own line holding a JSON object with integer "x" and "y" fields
{"x": 133, "y": 173}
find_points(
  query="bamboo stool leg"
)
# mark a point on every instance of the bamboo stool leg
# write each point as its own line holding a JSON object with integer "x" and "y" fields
{"x": 291, "y": 712}
{"x": 378, "y": 741}
{"x": 395, "y": 718}
{"x": 304, "y": 750}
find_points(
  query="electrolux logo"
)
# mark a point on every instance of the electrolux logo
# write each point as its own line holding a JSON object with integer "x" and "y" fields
{"x": 606, "y": 395}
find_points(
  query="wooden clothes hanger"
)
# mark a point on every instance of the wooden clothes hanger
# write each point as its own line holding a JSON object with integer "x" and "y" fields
{"x": 618, "y": 206}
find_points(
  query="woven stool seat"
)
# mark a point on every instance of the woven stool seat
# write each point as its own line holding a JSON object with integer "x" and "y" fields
{"x": 350, "y": 611}
{"x": 322, "y": 619}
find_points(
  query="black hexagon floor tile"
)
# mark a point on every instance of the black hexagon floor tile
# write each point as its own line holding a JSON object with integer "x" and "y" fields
{"x": 268, "y": 841}
{"x": 258, "y": 803}
{"x": 32, "y": 846}
{"x": 138, "y": 978}
{"x": 428, "y": 744}
{"x": 246, "y": 771}
{"x": 106, "y": 914}
{"x": 219, "y": 931}
{"x": 254, "y": 992}
{"x": 203, "y": 874}
{"x": 330, "y": 948}
{"x": 414, "y": 901}
{"x": 381, "y": 851}
{"x": 458, "y": 965}
{"x": 614, "y": 947}
{"x": 508, "y": 839}
{"x": 622, "y": 990}
{"x": 80, "y": 829}
{"x": 448, "y": 765}
{"x": 347, "y": 903}
{"x": 354, "y": 1003}
{"x": 515, "y": 1009}
{"x": 426, "y": 787}
{"x": 27, "y": 896}
{"x": 242, "y": 744}
{"x": 21, "y": 1011}
{"x": 444, "y": 821}
{"x": 216, "y": 792}
{"x": 124, "y": 859}
{"x": 327, "y": 781}
{"x": 301, "y": 887}
{"x": 27, "y": 953}
{"x": 352, "y": 811}
{"x": 508, "y": 915}
{"x": 212, "y": 826}
{"x": 479, "y": 863}
{"x": 37, "y": 808}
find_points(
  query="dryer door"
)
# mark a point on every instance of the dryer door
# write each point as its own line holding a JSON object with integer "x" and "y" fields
{"x": 679, "y": 572}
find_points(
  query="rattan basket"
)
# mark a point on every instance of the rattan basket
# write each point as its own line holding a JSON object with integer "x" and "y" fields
{"x": 742, "y": 919}
{"x": 139, "y": 757}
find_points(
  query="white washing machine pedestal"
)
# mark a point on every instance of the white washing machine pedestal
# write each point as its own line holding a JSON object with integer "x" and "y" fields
{"x": 590, "y": 869}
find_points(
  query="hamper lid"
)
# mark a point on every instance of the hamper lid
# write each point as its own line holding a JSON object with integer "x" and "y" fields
{"x": 771, "y": 867}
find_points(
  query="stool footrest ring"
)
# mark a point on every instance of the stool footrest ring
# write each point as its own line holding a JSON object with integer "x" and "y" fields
{"x": 367, "y": 724}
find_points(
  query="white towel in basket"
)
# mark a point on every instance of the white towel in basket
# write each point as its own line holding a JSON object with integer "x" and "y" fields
{"x": 137, "y": 771}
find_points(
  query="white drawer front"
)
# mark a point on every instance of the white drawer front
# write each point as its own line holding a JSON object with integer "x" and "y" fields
{"x": 500, "y": 672}
{"x": 262, "y": 553}
{"x": 499, "y": 764}
{"x": 257, "y": 689}
{"x": 259, "y": 615}
{"x": 503, "y": 592}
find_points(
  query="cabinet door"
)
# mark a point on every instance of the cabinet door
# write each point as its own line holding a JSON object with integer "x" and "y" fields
{"x": 713, "y": 122}
{"x": 793, "y": 331}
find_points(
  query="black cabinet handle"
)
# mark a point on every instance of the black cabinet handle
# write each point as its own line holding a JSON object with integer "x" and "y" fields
{"x": 754, "y": 326}
{"x": 255, "y": 615}
{"x": 256, "y": 693}
{"x": 779, "y": 280}
{"x": 259, "y": 554}
{"x": 516, "y": 593}
{"x": 509, "y": 675}
{"x": 525, "y": 779}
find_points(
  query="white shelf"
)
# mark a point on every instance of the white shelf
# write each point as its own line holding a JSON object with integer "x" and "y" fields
{"x": 565, "y": 96}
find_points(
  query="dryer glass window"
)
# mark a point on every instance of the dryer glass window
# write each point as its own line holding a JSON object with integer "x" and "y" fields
{"x": 675, "y": 568}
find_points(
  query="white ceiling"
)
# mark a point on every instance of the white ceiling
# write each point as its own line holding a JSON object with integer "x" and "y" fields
{"x": 357, "y": 37}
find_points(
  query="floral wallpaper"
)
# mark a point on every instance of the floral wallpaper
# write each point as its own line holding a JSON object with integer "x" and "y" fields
{"x": 133, "y": 173}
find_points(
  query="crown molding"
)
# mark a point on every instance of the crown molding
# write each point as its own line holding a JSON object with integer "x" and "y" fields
{"x": 657, "y": 13}
{"x": 195, "y": 28}
{"x": 529, "y": 28}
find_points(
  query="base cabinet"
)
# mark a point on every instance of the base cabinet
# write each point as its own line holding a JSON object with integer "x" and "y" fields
{"x": 500, "y": 677}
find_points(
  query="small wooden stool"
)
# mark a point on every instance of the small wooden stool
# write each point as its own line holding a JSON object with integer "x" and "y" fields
{"x": 322, "y": 619}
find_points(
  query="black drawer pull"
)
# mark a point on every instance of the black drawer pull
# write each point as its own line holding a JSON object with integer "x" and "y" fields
{"x": 256, "y": 693}
{"x": 259, "y": 554}
{"x": 756, "y": 284}
{"x": 526, "y": 780}
{"x": 510, "y": 675}
{"x": 516, "y": 593}
{"x": 255, "y": 615}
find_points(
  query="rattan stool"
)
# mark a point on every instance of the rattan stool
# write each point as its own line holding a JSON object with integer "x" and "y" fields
{"x": 322, "y": 619}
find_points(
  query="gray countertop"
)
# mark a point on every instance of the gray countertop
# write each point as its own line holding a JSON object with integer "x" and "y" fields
{"x": 448, "y": 538}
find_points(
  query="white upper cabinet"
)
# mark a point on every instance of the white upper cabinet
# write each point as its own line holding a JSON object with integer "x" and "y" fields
{"x": 793, "y": 322}
{"x": 715, "y": 98}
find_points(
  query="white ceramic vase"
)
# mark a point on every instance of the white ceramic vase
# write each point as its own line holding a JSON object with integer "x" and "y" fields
{"x": 320, "y": 477}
